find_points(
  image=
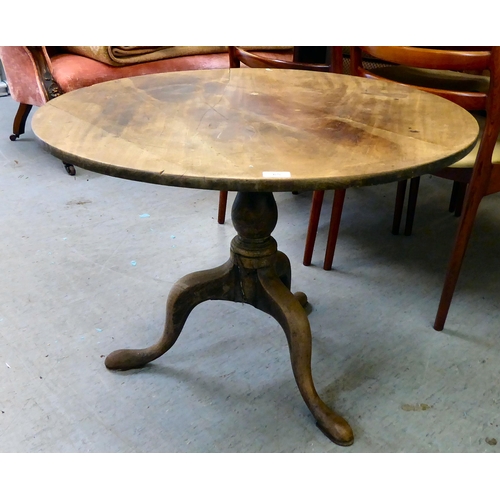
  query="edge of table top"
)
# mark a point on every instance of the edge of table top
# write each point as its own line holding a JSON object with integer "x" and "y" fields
{"x": 241, "y": 184}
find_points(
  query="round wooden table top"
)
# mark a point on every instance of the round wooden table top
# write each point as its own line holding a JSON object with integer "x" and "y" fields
{"x": 255, "y": 130}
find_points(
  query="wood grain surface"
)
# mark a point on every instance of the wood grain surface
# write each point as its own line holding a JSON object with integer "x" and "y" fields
{"x": 255, "y": 130}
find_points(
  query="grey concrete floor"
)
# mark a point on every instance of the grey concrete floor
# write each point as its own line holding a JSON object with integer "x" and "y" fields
{"x": 86, "y": 264}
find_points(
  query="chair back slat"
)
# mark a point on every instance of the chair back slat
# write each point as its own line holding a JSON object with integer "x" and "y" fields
{"x": 472, "y": 101}
{"x": 467, "y": 60}
{"x": 432, "y": 58}
{"x": 237, "y": 55}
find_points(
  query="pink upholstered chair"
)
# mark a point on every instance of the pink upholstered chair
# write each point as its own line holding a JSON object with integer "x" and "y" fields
{"x": 37, "y": 74}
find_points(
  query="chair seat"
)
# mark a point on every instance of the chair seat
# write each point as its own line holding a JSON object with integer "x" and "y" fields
{"x": 469, "y": 160}
{"x": 72, "y": 71}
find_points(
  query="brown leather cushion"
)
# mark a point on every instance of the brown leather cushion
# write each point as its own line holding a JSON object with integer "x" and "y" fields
{"x": 73, "y": 71}
{"x": 126, "y": 55}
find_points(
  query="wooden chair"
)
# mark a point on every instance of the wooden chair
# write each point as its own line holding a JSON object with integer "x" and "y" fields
{"x": 469, "y": 77}
{"x": 333, "y": 64}
{"x": 454, "y": 73}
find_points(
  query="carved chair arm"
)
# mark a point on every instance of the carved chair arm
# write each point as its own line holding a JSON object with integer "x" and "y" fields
{"x": 44, "y": 69}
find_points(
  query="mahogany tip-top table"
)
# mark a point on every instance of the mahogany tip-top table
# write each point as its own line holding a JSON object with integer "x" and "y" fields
{"x": 254, "y": 131}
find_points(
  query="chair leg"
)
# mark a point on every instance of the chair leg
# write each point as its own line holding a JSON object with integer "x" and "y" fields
{"x": 70, "y": 169}
{"x": 412, "y": 205}
{"x": 461, "y": 190}
{"x": 312, "y": 228}
{"x": 453, "y": 197}
{"x": 398, "y": 206}
{"x": 20, "y": 120}
{"x": 333, "y": 232}
{"x": 455, "y": 263}
{"x": 221, "y": 216}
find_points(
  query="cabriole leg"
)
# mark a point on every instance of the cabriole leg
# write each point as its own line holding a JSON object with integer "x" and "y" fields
{"x": 20, "y": 120}
{"x": 256, "y": 274}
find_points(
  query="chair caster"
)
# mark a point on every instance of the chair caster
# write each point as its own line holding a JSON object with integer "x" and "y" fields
{"x": 13, "y": 137}
{"x": 70, "y": 169}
